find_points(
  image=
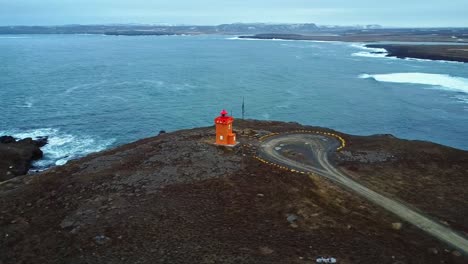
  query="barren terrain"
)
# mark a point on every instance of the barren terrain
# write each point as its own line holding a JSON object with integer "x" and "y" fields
{"x": 177, "y": 198}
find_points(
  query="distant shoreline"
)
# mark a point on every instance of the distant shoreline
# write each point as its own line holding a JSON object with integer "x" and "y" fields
{"x": 452, "y": 51}
{"x": 428, "y": 52}
{"x": 366, "y": 38}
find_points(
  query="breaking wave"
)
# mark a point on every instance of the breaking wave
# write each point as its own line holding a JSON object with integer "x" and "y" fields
{"x": 26, "y": 104}
{"x": 462, "y": 98}
{"x": 441, "y": 81}
{"x": 84, "y": 86}
{"x": 61, "y": 147}
{"x": 369, "y": 52}
{"x": 382, "y": 53}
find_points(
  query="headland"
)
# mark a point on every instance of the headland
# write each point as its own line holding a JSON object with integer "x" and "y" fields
{"x": 420, "y": 46}
{"x": 179, "y": 198}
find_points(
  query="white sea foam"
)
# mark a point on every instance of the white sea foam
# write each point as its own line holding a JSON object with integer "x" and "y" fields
{"x": 462, "y": 98}
{"x": 440, "y": 81}
{"x": 27, "y": 104}
{"x": 266, "y": 116}
{"x": 286, "y": 105}
{"x": 364, "y": 47}
{"x": 369, "y": 52}
{"x": 84, "y": 86}
{"x": 382, "y": 53}
{"x": 61, "y": 147}
{"x": 426, "y": 60}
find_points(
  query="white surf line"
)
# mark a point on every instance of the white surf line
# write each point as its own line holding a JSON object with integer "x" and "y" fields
{"x": 441, "y": 81}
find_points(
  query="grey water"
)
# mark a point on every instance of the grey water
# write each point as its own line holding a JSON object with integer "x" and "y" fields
{"x": 92, "y": 92}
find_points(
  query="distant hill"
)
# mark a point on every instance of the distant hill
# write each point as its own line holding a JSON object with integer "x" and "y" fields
{"x": 267, "y": 28}
{"x": 132, "y": 29}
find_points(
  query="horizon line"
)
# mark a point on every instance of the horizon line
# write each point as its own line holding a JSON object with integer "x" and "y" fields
{"x": 233, "y": 23}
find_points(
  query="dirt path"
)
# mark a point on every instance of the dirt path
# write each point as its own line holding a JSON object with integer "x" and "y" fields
{"x": 320, "y": 147}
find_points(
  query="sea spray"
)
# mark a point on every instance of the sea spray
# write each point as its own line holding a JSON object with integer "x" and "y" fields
{"x": 61, "y": 146}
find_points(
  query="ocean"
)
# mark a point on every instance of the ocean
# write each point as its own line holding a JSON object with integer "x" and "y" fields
{"x": 91, "y": 92}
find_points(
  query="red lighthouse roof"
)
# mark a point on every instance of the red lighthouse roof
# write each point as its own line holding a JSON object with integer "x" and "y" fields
{"x": 224, "y": 118}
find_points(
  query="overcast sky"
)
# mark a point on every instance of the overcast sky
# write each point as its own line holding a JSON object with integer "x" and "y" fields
{"x": 409, "y": 13}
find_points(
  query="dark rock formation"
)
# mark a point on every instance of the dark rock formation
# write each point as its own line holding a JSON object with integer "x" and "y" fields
{"x": 41, "y": 141}
{"x": 378, "y": 35}
{"x": 426, "y": 52}
{"x": 7, "y": 139}
{"x": 16, "y": 156}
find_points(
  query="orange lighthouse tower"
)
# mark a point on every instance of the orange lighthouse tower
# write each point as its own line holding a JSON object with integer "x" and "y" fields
{"x": 224, "y": 135}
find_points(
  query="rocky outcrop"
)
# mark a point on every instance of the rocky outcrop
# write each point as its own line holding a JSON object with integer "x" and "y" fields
{"x": 16, "y": 156}
{"x": 426, "y": 52}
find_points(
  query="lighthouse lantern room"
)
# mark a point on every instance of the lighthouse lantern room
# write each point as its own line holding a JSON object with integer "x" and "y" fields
{"x": 224, "y": 135}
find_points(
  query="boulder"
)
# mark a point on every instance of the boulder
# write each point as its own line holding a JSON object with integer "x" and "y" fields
{"x": 7, "y": 139}
{"x": 41, "y": 141}
{"x": 16, "y": 156}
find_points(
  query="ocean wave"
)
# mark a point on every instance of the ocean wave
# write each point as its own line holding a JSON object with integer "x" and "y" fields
{"x": 155, "y": 82}
{"x": 84, "y": 86}
{"x": 364, "y": 47}
{"x": 283, "y": 106}
{"x": 427, "y": 60}
{"x": 369, "y": 52}
{"x": 462, "y": 98}
{"x": 61, "y": 147}
{"x": 27, "y": 104}
{"x": 442, "y": 81}
{"x": 371, "y": 55}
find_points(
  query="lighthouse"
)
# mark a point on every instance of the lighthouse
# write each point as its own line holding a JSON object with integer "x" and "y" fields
{"x": 224, "y": 135}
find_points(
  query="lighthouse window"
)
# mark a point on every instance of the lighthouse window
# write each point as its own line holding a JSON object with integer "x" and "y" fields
{"x": 229, "y": 126}
{"x": 221, "y": 137}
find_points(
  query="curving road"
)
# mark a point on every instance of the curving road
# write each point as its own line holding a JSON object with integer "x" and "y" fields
{"x": 317, "y": 149}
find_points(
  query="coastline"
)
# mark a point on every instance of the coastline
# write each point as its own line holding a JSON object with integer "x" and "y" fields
{"x": 361, "y": 37}
{"x": 457, "y": 53}
{"x": 437, "y": 52}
